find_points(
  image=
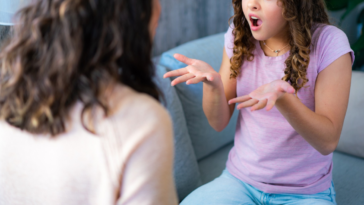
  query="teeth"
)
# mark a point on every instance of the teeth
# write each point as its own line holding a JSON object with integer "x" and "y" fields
{"x": 254, "y": 18}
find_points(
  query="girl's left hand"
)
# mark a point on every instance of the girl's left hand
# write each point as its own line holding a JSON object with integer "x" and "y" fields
{"x": 264, "y": 97}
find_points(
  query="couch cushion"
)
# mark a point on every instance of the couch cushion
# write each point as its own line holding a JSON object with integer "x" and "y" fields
{"x": 186, "y": 172}
{"x": 205, "y": 139}
{"x": 213, "y": 165}
{"x": 348, "y": 174}
{"x": 352, "y": 136}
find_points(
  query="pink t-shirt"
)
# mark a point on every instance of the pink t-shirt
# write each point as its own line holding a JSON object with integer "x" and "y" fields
{"x": 268, "y": 153}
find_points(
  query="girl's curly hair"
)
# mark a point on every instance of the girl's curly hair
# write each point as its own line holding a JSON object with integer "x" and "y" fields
{"x": 64, "y": 51}
{"x": 302, "y": 15}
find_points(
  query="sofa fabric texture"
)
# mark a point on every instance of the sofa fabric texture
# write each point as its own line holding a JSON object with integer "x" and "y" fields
{"x": 205, "y": 139}
{"x": 186, "y": 171}
{"x": 352, "y": 135}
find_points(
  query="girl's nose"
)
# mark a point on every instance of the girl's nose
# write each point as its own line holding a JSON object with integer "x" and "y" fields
{"x": 253, "y": 5}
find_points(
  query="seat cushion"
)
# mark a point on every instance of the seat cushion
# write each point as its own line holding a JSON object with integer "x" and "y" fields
{"x": 186, "y": 171}
{"x": 205, "y": 139}
{"x": 348, "y": 174}
{"x": 213, "y": 165}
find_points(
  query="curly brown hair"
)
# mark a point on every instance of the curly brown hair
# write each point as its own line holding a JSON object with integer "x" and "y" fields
{"x": 65, "y": 51}
{"x": 302, "y": 16}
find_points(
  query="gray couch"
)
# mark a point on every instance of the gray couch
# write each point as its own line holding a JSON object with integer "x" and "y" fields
{"x": 201, "y": 152}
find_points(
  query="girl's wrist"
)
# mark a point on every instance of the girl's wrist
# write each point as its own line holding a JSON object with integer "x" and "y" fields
{"x": 280, "y": 97}
{"x": 215, "y": 84}
{"x": 282, "y": 90}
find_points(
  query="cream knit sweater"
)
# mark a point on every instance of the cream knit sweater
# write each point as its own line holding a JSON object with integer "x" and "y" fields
{"x": 128, "y": 162}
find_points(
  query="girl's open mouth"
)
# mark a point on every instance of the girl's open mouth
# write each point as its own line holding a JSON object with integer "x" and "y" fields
{"x": 255, "y": 23}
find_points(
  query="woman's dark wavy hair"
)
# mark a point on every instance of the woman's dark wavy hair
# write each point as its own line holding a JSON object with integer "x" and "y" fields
{"x": 64, "y": 51}
{"x": 302, "y": 16}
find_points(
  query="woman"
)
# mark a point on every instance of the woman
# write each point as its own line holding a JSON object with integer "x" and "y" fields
{"x": 80, "y": 122}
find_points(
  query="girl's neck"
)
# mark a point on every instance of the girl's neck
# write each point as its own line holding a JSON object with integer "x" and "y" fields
{"x": 277, "y": 43}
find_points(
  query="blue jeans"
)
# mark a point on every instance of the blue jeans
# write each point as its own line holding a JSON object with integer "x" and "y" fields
{"x": 229, "y": 190}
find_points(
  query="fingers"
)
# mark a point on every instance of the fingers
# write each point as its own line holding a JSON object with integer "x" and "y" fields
{"x": 247, "y": 103}
{"x": 239, "y": 99}
{"x": 179, "y": 72}
{"x": 271, "y": 102}
{"x": 183, "y": 59}
{"x": 195, "y": 80}
{"x": 209, "y": 77}
{"x": 260, "y": 105}
{"x": 286, "y": 87}
{"x": 182, "y": 79}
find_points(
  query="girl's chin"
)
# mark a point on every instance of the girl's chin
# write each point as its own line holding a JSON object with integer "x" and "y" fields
{"x": 259, "y": 37}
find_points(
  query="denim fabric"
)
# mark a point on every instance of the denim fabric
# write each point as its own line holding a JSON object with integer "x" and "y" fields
{"x": 228, "y": 190}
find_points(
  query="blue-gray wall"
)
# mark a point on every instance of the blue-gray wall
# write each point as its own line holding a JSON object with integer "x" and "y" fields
{"x": 185, "y": 20}
{"x": 4, "y": 32}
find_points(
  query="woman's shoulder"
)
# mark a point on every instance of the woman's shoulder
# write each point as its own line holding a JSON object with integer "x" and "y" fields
{"x": 140, "y": 107}
{"x": 136, "y": 119}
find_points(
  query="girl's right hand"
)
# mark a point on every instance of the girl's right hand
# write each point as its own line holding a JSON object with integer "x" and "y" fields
{"x": 195, "y": 72}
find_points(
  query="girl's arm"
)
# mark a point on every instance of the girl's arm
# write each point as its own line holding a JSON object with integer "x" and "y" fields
{"x": 217, "y": 87}
{"x": 322, "y": 128}
{"x": 215, "y": 98}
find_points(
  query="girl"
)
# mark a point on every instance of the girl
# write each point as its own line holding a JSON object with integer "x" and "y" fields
{"x": 289, "y": 71}
{"x": 80, "y": 122}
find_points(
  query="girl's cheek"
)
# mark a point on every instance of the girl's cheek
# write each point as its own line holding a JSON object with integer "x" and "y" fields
{"x": 244, "y": 7}
{"x": 274, "y": 15}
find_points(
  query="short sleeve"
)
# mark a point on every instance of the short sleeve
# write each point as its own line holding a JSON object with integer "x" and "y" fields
{"x": 229, "y": 41}
{"x": 332, "y": 44}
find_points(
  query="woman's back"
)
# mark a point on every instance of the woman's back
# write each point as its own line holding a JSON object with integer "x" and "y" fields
{"x": 129, "y": 160}
{"x": 79, "y": 117}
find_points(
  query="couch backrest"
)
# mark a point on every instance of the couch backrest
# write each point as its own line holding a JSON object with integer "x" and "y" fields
{"x": 205, "y": 139}
{"x": 186, "y": 170}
